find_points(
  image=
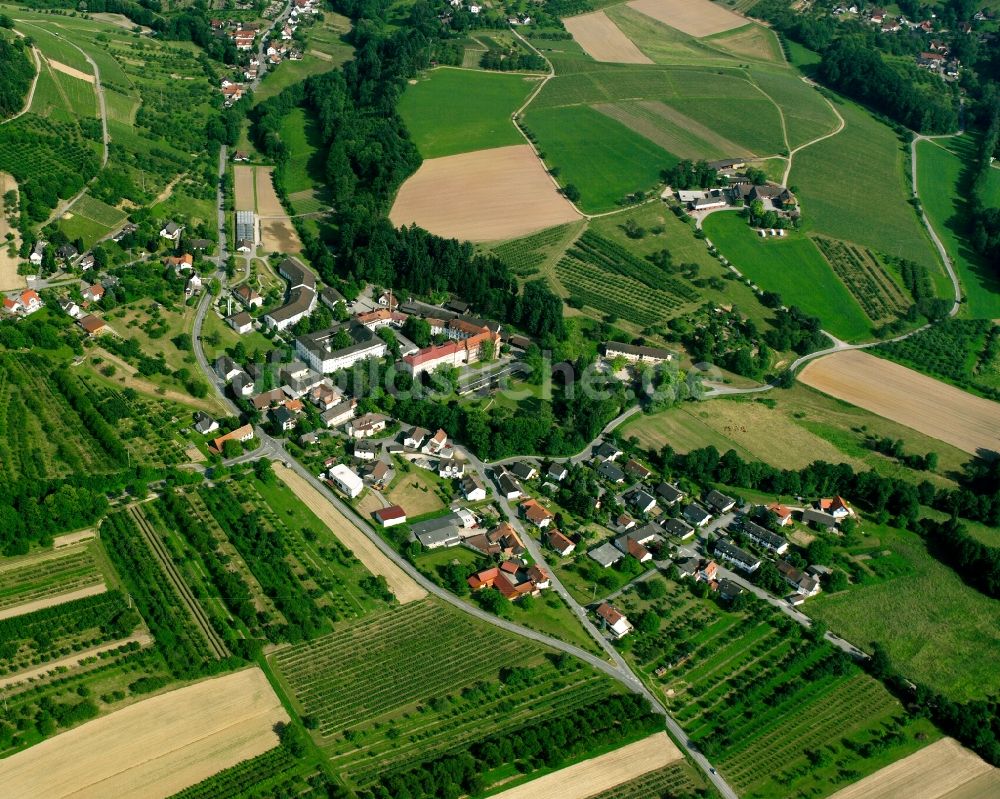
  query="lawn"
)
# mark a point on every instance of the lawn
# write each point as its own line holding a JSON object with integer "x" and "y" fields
{"x": 416, "y": 491}
{"x": 794, "y": 268}
{"x": 601, "y": 157}
{"x": 451, "y": 111}
{"x": 804, "y": 426}
{"x": 214, "y": 327}
{"x": 938, "y": 630}
{"x": 853, "y": 186}
{"x": 291, "y": 72}
{"x": 302, "y": 138}
{"x": 942, "y": 187}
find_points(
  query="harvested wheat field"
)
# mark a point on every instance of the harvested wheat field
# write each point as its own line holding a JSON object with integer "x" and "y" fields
{"x": 602, "y": 40}
{"x": 600, "y": 773}
{"x": 943, "y": 770}
{"x": 246, "y": 200}
{"x": 277, "y": 233}
{"x": 908, "y": 397}
{"x": 373, "y": 559}
{"x": 9, "y": 278}
{"x": 66, "y": 69}
{"x": 155, "y": 748}
{"x": 693, "y": 17}
{"x": 487, "y": 195}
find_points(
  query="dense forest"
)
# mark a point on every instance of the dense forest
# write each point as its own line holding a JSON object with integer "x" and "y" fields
{"x": 368, "y": 155}
{"x": 15, "y": 77}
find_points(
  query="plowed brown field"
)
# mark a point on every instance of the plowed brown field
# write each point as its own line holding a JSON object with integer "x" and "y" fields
{"x": 602, "y": 40}
{"x": 694, "y": 17}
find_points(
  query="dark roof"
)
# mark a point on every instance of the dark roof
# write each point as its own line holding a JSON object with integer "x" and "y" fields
{"x": 522, "y": 470}
{"x": 718, "y": 500}
{"x": 670, "y": 493}
{"x": 678, "y": 527}
{"x": 299, "y": 300}
{"x": 281, "y": 414}
{"x": 297, "y": 274}
{"x": 458, "y": 306}
{"x": 695, "y": 513}
{"x": 331, "y": 296}
{"x": 611, "y": 472}
{"x": 728, "y": 549}
{"x": 763, "y": 535}
{"x": 728, "y": 589}
{"x": 606, "y": 450}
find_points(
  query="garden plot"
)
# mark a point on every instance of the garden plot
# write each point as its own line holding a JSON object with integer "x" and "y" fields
{"x": 908, "y": 397}
{"x": 601, "y": 773}
{"x": 943, "y": 770}
{"x": 694, "y": 17}
{"x": 156, "y": 747}
{"x": 603, "y": 40}
{"x": 488, "y": 195}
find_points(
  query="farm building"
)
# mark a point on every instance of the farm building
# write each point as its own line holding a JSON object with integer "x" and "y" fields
{"x": 346, "y": 480}
{"x": 391, "y": 516}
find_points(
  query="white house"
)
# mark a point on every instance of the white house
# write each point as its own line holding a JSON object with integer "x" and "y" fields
{"x": 391, "y": 516}
{"x": 37, "y": 253}
{"x": 346, "y": 480}
{"x": 171, "y": 231}
{"x": 472, "y": 489}
{"x": 241, "y": 322}
{"x": 614, "y": 619}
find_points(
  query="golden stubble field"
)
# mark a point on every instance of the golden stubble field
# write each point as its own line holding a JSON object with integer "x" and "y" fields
{"x": 601, "y": 773}
{"x": 154, "y": 748}
{"x": 246, "y": 199}
{"x": 277, "y": 233}
{"x": 943, "y": 770}
{"x": 488, "y": 195}
{"x": 941, "y": 411}
{"x": 693, "y": 17}
{"x": 400, "y": 583}
{"x": 602, "y": 40}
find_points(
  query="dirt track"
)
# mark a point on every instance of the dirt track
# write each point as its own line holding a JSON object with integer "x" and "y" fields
{"x": 602, "y": 40}
{"x": 52, "y": 601}
{"x": 400, "y": 583}
{"x": 154, "y": 748}
{"x": 482, "y": 196}
{"x": 600, "y": 773}
{"x": 943, "y": 770}
{"x": 73, "y": 72}
{"x": 694, "y": 17}
{"x": 908, "y": 397}
{"x": 9, "y": 278}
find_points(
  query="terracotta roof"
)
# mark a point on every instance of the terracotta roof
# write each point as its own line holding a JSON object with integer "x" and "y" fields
{"x": 779, "y": 510}
{"x": 390, "y": 513}
{"x": 609, "y": 613}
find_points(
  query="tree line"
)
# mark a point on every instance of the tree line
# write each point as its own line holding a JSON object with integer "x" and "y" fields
{"x": 16, "y": 75}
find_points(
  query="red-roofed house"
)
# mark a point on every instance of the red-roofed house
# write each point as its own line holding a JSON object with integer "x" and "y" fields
{"x": 30, "y": 301}
{"x": 532, "y": 511}
{"x": 837, "y": 507}
{"x": 561, "y": 543}
{"x": 391, "y": 516}
{"x": 784, "y": 514}
{"x": 614, "y": 620}
{"x": 94, "y": 293}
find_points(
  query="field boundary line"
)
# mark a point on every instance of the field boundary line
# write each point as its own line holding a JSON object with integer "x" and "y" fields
{"x": 151, "y": 537}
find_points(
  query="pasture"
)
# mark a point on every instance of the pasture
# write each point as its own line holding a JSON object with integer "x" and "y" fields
{"x": 942, "y": 632}
{"x": 694, "y": 17}
{"x": 451, "y": 111}
{"x": 908, "y": 397}
{"x": 306, "y": 161}
{"x": 819, "y": 426}
{"x": 158, "y": 746}
{"x": 602, "y": 40}
{"x": 864, "y": 160}
{"x": 941, "y": 186}
{"x": 943, "y": 770}
{"x": 794, "y": 268}
{"x": 601, "y": 157}
{"x": 756, "y": 696}
{"x": 488, "y": 195}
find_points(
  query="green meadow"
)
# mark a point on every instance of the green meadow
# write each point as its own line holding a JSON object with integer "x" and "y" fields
{"x": 940, "y": 182}
{"x": 794, "y": 268}
{"x": 853, "y": 186}
{"x": 451, "y": 111}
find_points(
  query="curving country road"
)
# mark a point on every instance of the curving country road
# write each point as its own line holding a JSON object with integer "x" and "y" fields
{"x": 34, "y": 82}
